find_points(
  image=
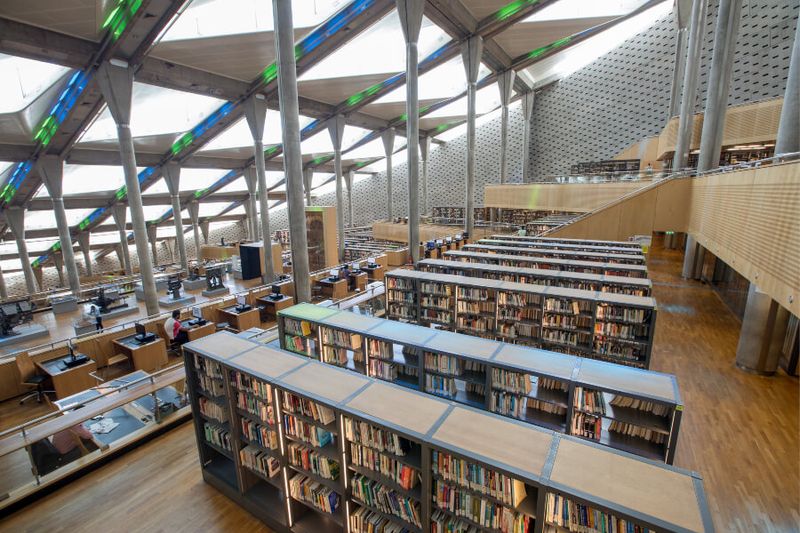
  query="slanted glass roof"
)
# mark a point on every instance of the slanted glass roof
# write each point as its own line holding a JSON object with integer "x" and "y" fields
{"x": 446, "y": 80}
{"x": 373, "y": 148}
{"x": 23, "y": 80}
{"x": 80, "y": 179}
{"x": 577, "y": 9}
{"x": 486, "y": 100}
{"x": 238, "y": 134}
{"x": 45, "y": 219}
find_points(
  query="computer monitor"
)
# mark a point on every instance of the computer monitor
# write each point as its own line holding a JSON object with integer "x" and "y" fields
{"x": 197, "y": 313}
{"x": 458, "y": 236}
{"x": 355, "y": 266}
{"x": 141, "y": 333}
{"x": 334, "y": 273}
{"x": 241, "y": 300}
{"x": 276, "y": 289}
{"x": 439, "y": 241}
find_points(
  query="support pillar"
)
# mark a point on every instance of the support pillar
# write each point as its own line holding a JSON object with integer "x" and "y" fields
{"x": 152, "y": 236}
{"x": 172, "y": 175}
{"x": 788, "y": 140}
{"x": 15, "y": 217}
{"x": 120, "y": 255}
{"x": 691, "y": 72}
{"x": 528, "y": 100}
{"x": 424, "y": 151}
{"x": 410, "y": 12}
{"x": 388, "y": 149}
{"x": 292, "y": 157}
{"x": 120, "y": 214}
{"x": 84, "y": 241}
{"x": 505, "y": 82}
{"x": 58, "y": 261}
{"x": 51, "y": 169}
{"x": 248, "y": 219}
{"x": 348, "y": 181}
{"x": 308, "y": 178}
{"x": 336, "y": 130}
{"x": 719, "y": 82}
{"x": 693, "y": 257}
{"x": 762, "y": 334}
{"x": 3, "y": 288}
{"x": 116, "y": 84}
{"x": 683, "y": 9}
{"x": 204, "y": 228}
{"x": 194, "y": 215}
{"x": 255, "y": 110}
{"x": 251, "y": 180}
{"x": 471, "y": 52}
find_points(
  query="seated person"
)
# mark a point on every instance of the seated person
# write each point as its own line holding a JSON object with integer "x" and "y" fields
{"x": 73, "y": 443}
{"x": 174, "y": 330}
{"x": 344, "y": 272}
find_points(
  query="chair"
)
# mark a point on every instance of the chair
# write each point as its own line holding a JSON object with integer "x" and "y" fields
{"x": 29, "y": 377}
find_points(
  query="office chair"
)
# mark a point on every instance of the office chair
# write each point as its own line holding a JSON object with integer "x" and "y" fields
{"x": 29, "y": 377}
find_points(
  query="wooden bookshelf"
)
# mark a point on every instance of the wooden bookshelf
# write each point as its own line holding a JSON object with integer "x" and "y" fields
{"x": 546, "y": 246}
{"x": 605, "y": 257}
{"x": 398, "y": 451}
{"x": 601, "y": 325}
{"x": 567, "y": 265}
{"x": 529, "y": 238}
{"x": 531, "y": 385}
{"x": 541, "y": 276}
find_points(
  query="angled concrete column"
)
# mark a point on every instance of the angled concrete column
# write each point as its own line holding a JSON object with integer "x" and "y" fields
{"x": 39, "y": 275}
{"x": 120, "y": 214}
{"x": 3, "y": 288}
{"x": 119, "y": 249}
{"x": 388, "y": 149}
{"x": 789, "y": 126}
{"x": 116, "y": 84}
{"x": 152, "y": 236}
{"x": 762, "y": 334}
{"x": 689, "y": 256}
{"x": 51, "y": 169}
{"x": 255, "y": 110}
{"x": 336, "y": 130}
{"x": 204, "y": 227}
{"x": 528, "y": 101}
{"x": 719, "y": 81}
{"x": 194, "y": 215}
{"x": 424, "y": 151}
{"x": 248, "y": 219}
{"x": 308, "y": 178}
{"x": 683, "y": 10}
{"x": 410, "y": 12}
{"x": 15, "y": 217}
{"x": 505, "y": 82}
{"x": 58, "y": 261}
{"x": 172, "y": 175}
{"x": 471, "y": 52}
{"x": 348, "y": 180}
{"x": 292, "y": 157}
{"x": 251, "y": 180}
{"x": 84, "y": 241}
{"x": 691, "y": 73}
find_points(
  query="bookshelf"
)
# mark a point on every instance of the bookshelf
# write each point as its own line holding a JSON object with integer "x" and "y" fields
{"x": 528, "y": 238}
{"x": 607, "y": 249}
{"x": 541, "y": 276}
{"x": 602, "y": 325}
{"x": 566, "y": 265}
{"x": 621, "y": 258}
{"x": 531, "y": 385}
{"x": 403, "y": 454}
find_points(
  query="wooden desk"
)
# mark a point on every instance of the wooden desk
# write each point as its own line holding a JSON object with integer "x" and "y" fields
{"x": 333, "y": 289}
{"x": 241, "y": 321}
{"x": 148, "y": 357}
{"x": 196, "y": 332}
{"x": 358, "y": 281}
{"x": 271, "y": 307}
{"x": 375, "y": 273}
{"x": 71, "y": 380}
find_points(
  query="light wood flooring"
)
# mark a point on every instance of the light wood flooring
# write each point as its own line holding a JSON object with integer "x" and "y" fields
{"x": 739, "y": 431}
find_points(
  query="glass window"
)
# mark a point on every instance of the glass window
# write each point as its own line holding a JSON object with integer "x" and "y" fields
{"x": 373, "y": 148}
{"x": 210, "y": 209}
{"x": 237, "y": 185}
{"x": 166, "y": 231}
{"x": 24, "y": 80}
{"x": 444, "y": 81}
{"x": 79, "y": 179}
{"x": 577, "y": 9}
{"x": 106, "y": 237}
{"x": 237, "y": 211}
{"x": 45, "y": 219}
{"x": 238, "y": 134}
{"x": 486, "y": 100}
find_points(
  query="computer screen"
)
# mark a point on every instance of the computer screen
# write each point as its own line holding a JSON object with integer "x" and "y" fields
{"x": 458, "y": 236}
{"x": 197, "y": 313}
{"x": 276, "y": 289}
{"x": 439, "y": 241}
{"x": 140, "y": 330}
{"x": 449, "y": 240}
{"x": 370, "y": 260}
{"x": 335, "y": 273}
{"x": 355, "y": 266}
{"x": 241, "y": 299}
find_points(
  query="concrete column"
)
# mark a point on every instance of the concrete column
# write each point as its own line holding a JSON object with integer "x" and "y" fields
{"x": 120, "y": 214}
{"x": 84, "y": 239}
{"x": 528, "y": 101}
{"x": 292, "y": 157}
{"x": 3, "y": 288}
{"x": 788, "y": 140}
{"x": 194, "y": 215}
{"x": 51, "y": 169}
{"x": 255, "y": 110}
{"x": 471, "y": 52}
{"x": 424, "y": 151}
{"x": 691, "y": 73}
{"x": 172, "y": 175}
{"x": 719, "y": 81}
{"x": 248, "y": 218}
{"x": 15, "y": 217}
{"x": 348, "y": 180}
{"x": 308, "y": 178}
{"x": 251, "y": 180}
{"x": 683, "y": 9}
{"x": 505, "y": 81}
{"x": 694, "y": 255}
{"x": 762, "y": 334}
{"x": 410, "y": 12}
{"x": 116, "y": 84}
{"x": 336, "y": 130}
{"x": 152, "y": 236}
{"x": 204, "y": 228}
{"x": 58, "y": 261}
{"x": 39, "y": 275}
{"x": 388, "y": 149}
{"x": 120, "y": 255}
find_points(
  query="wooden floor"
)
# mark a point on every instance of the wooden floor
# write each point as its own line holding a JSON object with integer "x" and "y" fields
{"x": 739, "y": 431}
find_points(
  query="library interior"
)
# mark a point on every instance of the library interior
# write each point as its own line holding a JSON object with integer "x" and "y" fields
{"x": 533, "y": 266}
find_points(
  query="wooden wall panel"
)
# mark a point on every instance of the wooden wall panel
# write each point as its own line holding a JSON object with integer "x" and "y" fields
{"x": 577, "y": 198}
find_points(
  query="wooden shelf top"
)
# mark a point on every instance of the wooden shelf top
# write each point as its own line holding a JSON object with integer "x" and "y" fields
{"x": 625, "y": 379}
{"x": 402, "y": 408}
{"x": 325, "y": 382}
{"x": 648, "y": 489}
{"x": 400, "y": 332}
{"x": 496, "y": 440}
{"x": 600, "y": 265}
{"x": 266, "y": 362}
{"x": 305, "y": 311}
{"x": 566, "y": 253}
{"x": 532, "y": 238}
{"x": 464, "y": 345}
{"x": 604, "y": 249}
{"x": 223, "y": 345}
{"x": 556, "y": 365}
{"x": 350, "y": 320}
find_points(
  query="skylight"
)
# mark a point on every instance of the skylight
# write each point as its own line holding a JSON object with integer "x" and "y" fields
{"x": 578, "y": 9}
{"x": 373, "y": 148}
{"x": 238, "y": 135}
{"x": 45, "y": 220}
{"x": 486, "y": 99}
{"x": 212, "y": 18}
{"x": 444, "y": 81}
{"x": 80, "y": 179}
{"x": 24, "y": 80}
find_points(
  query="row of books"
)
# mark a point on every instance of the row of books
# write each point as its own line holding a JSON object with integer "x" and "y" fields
{"x": 296, "y": 344}
{"x": 527, "y": 314}
{"x": 302, "y": 430}
{"x": 478, "y": 478}
{"x": 378, "y": 495}
{"x": 442, "y": 522}
{"x": 479, "y": 510}
{"x": 441, "y": 302}
{"x": 587, "y": 426}
{"x": 614, "y": 350}
{"x": 211, "y": 409}
{"x": 513, "y": 405}
{"x": 260, "y": 434}
{"x": 433, "y": 315}
{"x": 207, "y": 367}
{"x": 475, "y": 307}
{"x": 376, "y": 438}
{"x": 315, "y": 494}
{"x": 515, "y": 299}
{"x": 402, "y": 311}
{"x": 258, "y": 460}
{"x": 397, "y": 296}
{"x": 440, "y": 386}
{"x": 385, "y": 370}
{"x": 626, "y": 314}
{"x": 401, "y": 284}
{"x": 641, "y": 405}
{"x": 574, "y": 516}
{"x": 622, "y": 331}
{"x": 341, "y": 338}
{"x": 566, "y": 337}
{"x": 399, "y": 472}
{"x": 574, "y": 307}
{"x": 217, "y": 435}
{"x": 435, "y": 289}
{"x": 475, "y": 388}
{"x": 632, "y": 430}
{"x": 296, "y": 327}
{"x": 444, "y": 364}
{"x": 251, "y": 385}
{"x": 567, "y": 321}
{"x": 335, "y": 356}
{"x": 551, "y": 384}
{"x": 312, "y": 461}
{"x": 476, "y": 324}
{"x": 625, "y": 289}
{"x": 472, "y": 293}
{"x": 589, "y": 400}
{"x": 255, "y": 407}
{"x": 517, "y": 330}
{"x": 364, "y": 520}
{"x": 211, "y": 385}
{"x": 293, "y": 403}
{"x": 379, "y": 349}
{"x": 509, "y": 381}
